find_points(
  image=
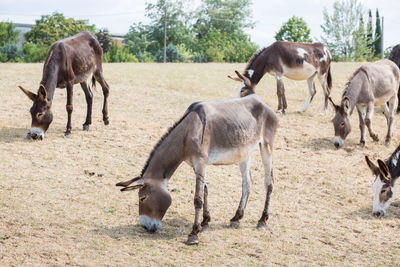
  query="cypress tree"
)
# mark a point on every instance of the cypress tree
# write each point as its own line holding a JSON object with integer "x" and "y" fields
{"x": 378, "y": 35}
{"x": 370, "y": 40}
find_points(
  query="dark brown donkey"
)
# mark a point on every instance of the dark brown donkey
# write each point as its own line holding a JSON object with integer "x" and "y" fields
{"x": 395, "y": 57}
{"x": 296, "y": 61}
{"x": 371, "y": 85}
{"x": 69, "y": 61}
{"x": 209, "y": 133}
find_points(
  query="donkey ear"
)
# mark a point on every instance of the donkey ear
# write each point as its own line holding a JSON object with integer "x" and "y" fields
{"x": 133, "y": 187}
{"x": 336, "y": 107}
{"x": 384, "y": 169}
{"x": 42, "y": 93}
{"x": 32, "y": 96}
{"x": 243, "y": 78}
{"x": 235, "y": 79}
{"x": 126, "y": 183}
{"x": 372, "y": 166}
{"x": 346, "y": 105}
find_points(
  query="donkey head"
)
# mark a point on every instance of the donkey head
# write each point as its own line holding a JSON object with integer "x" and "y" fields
{"x": 40, "y": 112}
{"x": 341, "y": 122}
{"x": 382, "y": 187}
{"x": 246, "y": 88}
{"x": 154, "y": 201}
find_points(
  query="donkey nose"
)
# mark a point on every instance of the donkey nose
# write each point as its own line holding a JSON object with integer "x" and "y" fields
{"x": 380, "y": 213}
{"x": 337, "y": 145}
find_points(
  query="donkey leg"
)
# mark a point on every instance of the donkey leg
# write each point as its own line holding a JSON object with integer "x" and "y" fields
{"x": 106, "y": 91}
{"x": 282, "y": 105}
{"x": 69, "y": 107}
{"x": 193, "y": 239}
{"x": 361, "y": 117}
{"x": 246, "y": 183}
{"x": 398, "y": 102}
{"x": 311, "y": 92}
{"x": 266, "y": 155}
{"x": 206, "y": 210}
{"x": 324, "y": 84}
{"x": 89, "y": 102}
{"x": 368, "y": 119}
{"x": 389, "y": 113}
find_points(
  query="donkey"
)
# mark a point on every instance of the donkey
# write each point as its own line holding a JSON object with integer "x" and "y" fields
{"x": 209, "y": 133}
{"x": 386, "y": 174}
{"x": 69, "y": 61}
{"x": 296, "y": 61}
{"x": 395, "y": 57}
{"x": 371, "y": 85}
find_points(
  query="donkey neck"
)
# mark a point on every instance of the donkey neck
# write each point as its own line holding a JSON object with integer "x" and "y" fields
{"x": 50, "y": 78}
{"x": 166, "y": 156}
{"x": 352, "y": 92}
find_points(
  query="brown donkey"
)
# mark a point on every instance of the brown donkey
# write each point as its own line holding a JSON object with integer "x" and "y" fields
{"x": 371, "y": 85}
{"x": 69, "y": 61}
{"x": 296, "y": 61}
{"x": 217, "y": 133}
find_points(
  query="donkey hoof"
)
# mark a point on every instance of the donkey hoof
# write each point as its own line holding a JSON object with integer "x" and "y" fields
{"x": 261, "y": 225}
{"x": 362, "y": 143}
{"x": 387, "y": 142}
{"x": 85, "y": 127}
{"x": 204, "y": 228}
{"x": 192, "y": 240}
{"x": 280, "y": 111}
{"x": 234, "y": 224}
{"x": 28, "y": 136}
{"x": 67, "y": 135}
{"x": 106, "y": 122}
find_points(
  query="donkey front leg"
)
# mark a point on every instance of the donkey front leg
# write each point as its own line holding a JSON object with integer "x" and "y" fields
{"x": 89, "y": 102}
{"x": 69, "y": 107}
{"x": 193, "y": 239}
{"x": 106, "y": 91}
{"x": 246, "y": 183}
{"x": 311, "y": 92}
{"x": 206, "y": 210}
{"x": 361, "y": 117}
{"x": 324, "y": 83}
{"x": 280, "y": 91}
{"x": 389, "y": 114}
{"x": 368, "y": 120}
{"x": 266, "y": 155}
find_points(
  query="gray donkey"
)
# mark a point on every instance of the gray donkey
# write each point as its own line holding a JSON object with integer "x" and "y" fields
{"x": 373, "y": 84}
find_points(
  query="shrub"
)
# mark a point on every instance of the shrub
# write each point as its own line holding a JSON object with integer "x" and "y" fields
{"x": 117, "y": 53}
{"x": 33, "y": 52}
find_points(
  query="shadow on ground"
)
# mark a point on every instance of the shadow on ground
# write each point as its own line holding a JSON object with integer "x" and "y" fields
{"x": 11, "y": 135}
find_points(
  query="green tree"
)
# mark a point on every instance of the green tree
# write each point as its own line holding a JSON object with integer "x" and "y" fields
{"x": 104, "y": 38}
{"x": 340, "y": 29}
{"x": 117, "y": 53}
{"x": 378, "y": 35}
{"x": 294, "y": 30}
{"x": 362, "y": 52}
{"x": 9, "y": 51}
{"x": 51, "y": 28}
{"x": 8, "y": 34}
{"x": 370, "y": 37}
{"x": 137, "y": 40}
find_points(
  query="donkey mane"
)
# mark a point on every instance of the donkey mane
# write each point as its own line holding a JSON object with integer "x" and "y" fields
{"x": 254, "y": 57}
{"x": 360, "y": 69}
{"x": 393, "y": 163}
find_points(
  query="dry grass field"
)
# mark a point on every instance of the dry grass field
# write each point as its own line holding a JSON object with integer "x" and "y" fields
{"x": 59, "y": 205}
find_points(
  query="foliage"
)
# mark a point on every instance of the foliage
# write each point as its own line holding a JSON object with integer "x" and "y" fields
{"x": 387, "y": 51}
{"x": 340, "y": 31}
{"x": 137, "y": 41}
{"x": 9, "y": 52}
{"x": 51, "y": 28}
{"x": 172, "y": 54}
{"x": 362, "y": 51}
{"x": 8, "y": 34}
{"x": 378, "y": 35}
{"x": 294, "y": 30}
{"x": 370, "y": 37}
{"x": 104, "y": 38}
{"x": 117, "y": 53}
{"x": 34, "y": 52}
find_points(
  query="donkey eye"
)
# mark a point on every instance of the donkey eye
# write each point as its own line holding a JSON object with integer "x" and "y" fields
{"x": 142, "y": 198}
{"x": 40, "y": 114}
{"x": 342, "y": 124}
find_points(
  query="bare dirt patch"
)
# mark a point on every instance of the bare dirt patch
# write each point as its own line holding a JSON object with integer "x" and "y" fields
{"x": 59, "y": 205}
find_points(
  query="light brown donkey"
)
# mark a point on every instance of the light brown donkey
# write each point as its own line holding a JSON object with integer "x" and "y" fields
{"x": 371, "y": 85}
{"x": 218, "y": 133}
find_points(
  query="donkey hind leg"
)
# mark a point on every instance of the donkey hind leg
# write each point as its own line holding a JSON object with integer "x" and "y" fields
{"x": 280, "y": 91}
{"x": 311, "y": 92}
{"x": 89, "y": 101}
{"x": 389, "y": 114}
{"x": 206, "y": 210}
{"x": 69, "y": 107}
{"x": 246, "y": 183}
{"x": 361, "y": 117}
{"x": 324, "y": 84}
{"x": 106, "y": 91}
{"x": 199, "y": 170}
{"x": 368, "y": 119}
{"x": 266, "y": 155}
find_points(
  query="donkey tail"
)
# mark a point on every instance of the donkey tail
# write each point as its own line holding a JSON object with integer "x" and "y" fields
{"x": 94, "y": 83}
{"x": 329, "y": 80}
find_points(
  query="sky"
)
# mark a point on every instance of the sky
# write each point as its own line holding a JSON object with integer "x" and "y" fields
{"x": 118, "y": 15}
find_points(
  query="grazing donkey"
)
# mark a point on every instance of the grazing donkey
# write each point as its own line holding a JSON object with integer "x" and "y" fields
{"x": 296, "y": 61}
{"x": 217, "y": 133}
{"x": 69, "y": 61}
{"x": 371, "y": 85}
{"x": 386, "y": 174}
{"x": 395, "y": 57}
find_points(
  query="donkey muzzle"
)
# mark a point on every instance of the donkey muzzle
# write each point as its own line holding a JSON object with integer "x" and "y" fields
{"x": 380, "y": 213}
{"x": 35, "y": 133}
{"x": 151, "y": 225}
{"x": 338, "y": 142}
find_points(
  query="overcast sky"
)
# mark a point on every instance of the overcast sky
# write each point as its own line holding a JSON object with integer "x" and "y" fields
{"x": 269, "y": 15}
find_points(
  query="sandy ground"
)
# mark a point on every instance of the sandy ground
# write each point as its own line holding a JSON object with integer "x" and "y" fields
{"x": 59, "y": 205}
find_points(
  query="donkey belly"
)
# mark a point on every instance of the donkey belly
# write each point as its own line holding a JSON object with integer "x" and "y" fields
{"x": 228, "y": 156}
{"x": 303, "y": 72}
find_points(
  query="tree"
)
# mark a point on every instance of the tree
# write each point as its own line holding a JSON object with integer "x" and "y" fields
{"x": 51, "y": 28}
{"x": 361, "y": 50}
{"x": 370, "y": 38}
{"x": 340, "y": 29}
{"x": 378, "y": 35}
{"x": 8, "y": 34}
{"x": 137, "y": 40}
{"x": 9, "y": 51}
{"x": 294, "y": 30}
{"x": 104, "y": 38}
